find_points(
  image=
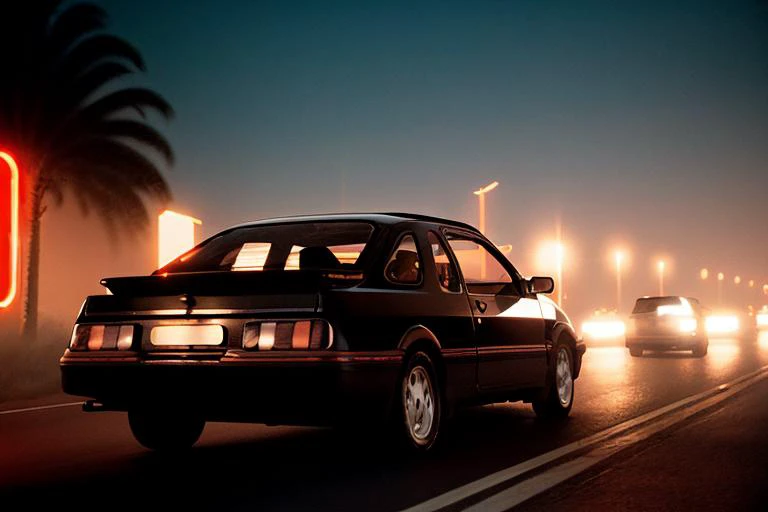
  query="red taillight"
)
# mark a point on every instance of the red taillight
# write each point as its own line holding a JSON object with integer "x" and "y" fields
{"x": 287, "y": 335}
{"x": 102, "y": 337}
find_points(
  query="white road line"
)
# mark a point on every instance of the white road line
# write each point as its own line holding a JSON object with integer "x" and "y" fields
{"x": 460, "y": 493}
{"x": 40, "y": 408}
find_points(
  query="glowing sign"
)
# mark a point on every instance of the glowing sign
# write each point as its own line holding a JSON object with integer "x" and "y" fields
{"x": 176, "y": 235}
{"x": 9, "y": 228}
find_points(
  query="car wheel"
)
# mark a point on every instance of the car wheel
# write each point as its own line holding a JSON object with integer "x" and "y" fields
{"x": 165, "y": 430}
{"x": 558, "y": 394}
{"x": 420, "y": 403}
{"x": 700, "y": 350}
{"x": 635, "y": 351}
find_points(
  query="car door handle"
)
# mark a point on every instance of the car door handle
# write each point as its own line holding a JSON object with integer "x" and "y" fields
{"x": 481, "y": 306}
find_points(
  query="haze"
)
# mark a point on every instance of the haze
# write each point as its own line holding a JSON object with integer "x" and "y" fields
{"x": 636, "y": 124}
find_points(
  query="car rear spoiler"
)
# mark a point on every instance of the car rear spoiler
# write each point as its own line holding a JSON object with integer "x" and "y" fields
{"x": 233, "y": 282}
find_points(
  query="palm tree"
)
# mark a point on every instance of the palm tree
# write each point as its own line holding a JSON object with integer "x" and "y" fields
{"x": 73, "y": 124}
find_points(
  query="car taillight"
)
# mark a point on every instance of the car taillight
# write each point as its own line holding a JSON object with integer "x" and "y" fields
{"x": 102, "y": 337}
{"x": 287, "y": 335}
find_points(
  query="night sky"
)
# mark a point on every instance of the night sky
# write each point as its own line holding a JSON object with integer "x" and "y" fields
{"x": 640, "y": 123}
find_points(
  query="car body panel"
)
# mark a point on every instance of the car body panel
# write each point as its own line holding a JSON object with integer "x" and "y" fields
{"x": 373, "y": 324}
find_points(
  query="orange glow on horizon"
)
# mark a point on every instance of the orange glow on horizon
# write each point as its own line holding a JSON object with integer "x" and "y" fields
{"x": 13, "y": 263}
{"x": 175, "y": 236}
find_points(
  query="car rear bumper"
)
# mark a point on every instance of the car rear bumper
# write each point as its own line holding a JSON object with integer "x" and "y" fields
{"x": 665, "y": 342}
{"x": 315, "y": 390}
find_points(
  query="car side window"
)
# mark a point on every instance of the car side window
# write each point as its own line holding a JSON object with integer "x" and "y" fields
{"x": 404, "y": 266}
{"x": 447, "y": 275}
{"x": 478, "y": 265}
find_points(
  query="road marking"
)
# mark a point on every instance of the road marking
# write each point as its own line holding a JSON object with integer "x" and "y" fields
{"x": 40, "y": 408}
{"x": 603, "y": 444}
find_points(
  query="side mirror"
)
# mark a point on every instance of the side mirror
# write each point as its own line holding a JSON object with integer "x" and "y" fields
{"x": 541, "y": 285}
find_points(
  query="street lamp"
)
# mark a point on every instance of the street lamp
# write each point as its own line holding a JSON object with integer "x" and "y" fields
{"x": 661, "y": 265}
{"x": 704, "y": 273}
{"x": 480, "y": 193}
{"x": 559, "y": 255}
{"x": 619, "y": 257}
{"x": 720, "y": 279}
{"x": 737, "y": 280}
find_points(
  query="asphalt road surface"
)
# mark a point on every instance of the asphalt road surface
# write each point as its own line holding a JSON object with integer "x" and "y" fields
{"x": 91, "y": 461}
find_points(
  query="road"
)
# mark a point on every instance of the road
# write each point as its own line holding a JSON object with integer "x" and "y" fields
{"x": 83, "y": 459}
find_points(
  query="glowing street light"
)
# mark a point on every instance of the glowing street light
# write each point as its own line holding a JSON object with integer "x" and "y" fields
{"x": 560, "y": 256}
{"x": 720, "y": 279}
{"x": 737, "y": 280}
{"x": 751, "y": 283}
{"x": 619, "y": 257}
{"x": 661, "y": 266}
{"x": 480, "y": 193}
{"x": 176, "y": 235}
{"x": 9, "y": 229}
{"x": 704, "y": 274}
{"x": 551, "y": 259}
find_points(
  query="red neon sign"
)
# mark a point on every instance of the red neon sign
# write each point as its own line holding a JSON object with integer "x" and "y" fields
{"x": 9, "y": 228}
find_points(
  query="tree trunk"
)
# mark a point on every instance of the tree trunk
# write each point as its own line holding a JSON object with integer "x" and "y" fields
{"x": 29, "y": 331}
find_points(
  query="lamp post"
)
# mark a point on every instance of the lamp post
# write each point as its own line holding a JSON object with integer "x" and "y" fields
{"x": 720, "y": 279}
{"x": 619, "y": 256}
{"x": 480, "y": 193}
{"x": 661, "y": 266}
{"x": 559, "y": 256}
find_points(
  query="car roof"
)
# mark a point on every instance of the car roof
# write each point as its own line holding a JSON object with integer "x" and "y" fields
{"x": 386, "y": 218}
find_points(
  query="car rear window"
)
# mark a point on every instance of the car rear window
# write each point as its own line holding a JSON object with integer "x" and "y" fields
{"x": 651, "y": 304}
{"x": 282, "y": 247}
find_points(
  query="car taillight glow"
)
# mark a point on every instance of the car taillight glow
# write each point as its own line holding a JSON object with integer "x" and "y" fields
{"x": 688, "y": 325}
{"x": 287, "y": 335}
{"x": 102, "y": 337}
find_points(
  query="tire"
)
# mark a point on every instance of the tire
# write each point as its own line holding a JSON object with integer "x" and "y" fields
{"x": 165, "y": 431}
{"x": 635, "y": 351}
{"x": 701, "y": 350}
{"x": 420, "y": 404}
{"x": 557, "y": 396}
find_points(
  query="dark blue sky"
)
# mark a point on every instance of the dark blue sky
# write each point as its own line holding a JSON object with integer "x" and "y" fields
{"x": 640, "y": 122}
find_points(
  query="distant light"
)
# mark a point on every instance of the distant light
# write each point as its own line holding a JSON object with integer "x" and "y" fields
{"x": 722, "y": 324}
{"x": 704, "y": 273}
{"x": 751, "y": 283}
{"x": 603, "y": 329}
{"x": 619, "y": 257}
{"x": 9, "y": 231}
{"x": 720, "y": 276}
{"x": 176, "y": 235}
{"x": 486, "y": 188}
{"x": 661, "y": 266}
{"x": 737, "y": 280}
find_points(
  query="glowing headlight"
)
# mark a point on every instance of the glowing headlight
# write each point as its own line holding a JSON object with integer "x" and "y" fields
{"x": 688, "y": 325}
{"x": 604, "y": 329}
{"x": 102, "y": 337}
{"x": 762, "y": 320}
{"x": 722, "y": 324}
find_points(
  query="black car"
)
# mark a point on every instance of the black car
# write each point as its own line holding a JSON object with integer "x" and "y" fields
{"x": 667, "y": 323}
{"x": 323, "y": 319}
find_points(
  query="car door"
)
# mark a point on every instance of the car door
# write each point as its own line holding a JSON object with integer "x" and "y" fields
{"x": 509, "y": 325}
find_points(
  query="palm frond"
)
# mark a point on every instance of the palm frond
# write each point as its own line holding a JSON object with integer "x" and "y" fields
{"x": 138, "y": 99}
